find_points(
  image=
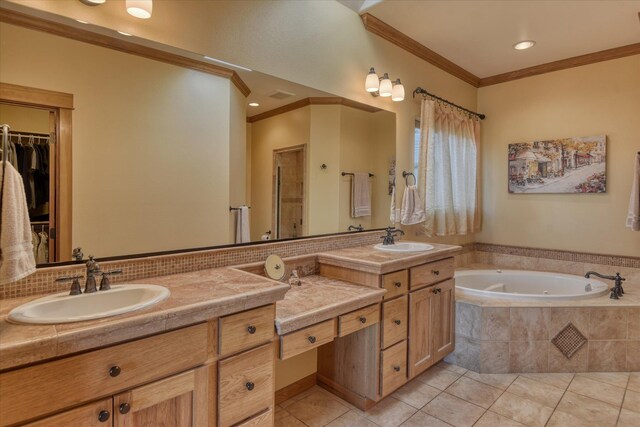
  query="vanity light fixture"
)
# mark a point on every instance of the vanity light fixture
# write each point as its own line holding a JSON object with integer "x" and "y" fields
{"x": 383, "y": 86}
{"x": 254, "y": 104}
{"x": 525, "y": 44}
{"x": 140, "y": 8}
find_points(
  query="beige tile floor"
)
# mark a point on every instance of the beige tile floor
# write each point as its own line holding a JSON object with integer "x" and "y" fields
{"x": 447, "y": 395}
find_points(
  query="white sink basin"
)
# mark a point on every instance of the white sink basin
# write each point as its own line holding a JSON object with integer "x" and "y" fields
{"x": 404, "y": 247}
{"x": 65, "y": 308}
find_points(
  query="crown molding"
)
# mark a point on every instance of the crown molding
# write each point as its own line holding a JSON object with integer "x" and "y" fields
{"x": 12, "y": 17}
{"x": 326, "y": 100}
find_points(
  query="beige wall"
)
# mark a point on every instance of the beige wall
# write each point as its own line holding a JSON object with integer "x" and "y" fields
{"x": 602, "y": 98}
{"x": 23, "y": 119}
{"x": 150, "y": 166}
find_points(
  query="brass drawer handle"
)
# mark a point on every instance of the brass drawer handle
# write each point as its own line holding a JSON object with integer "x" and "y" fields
{"x": 251, "y": 329}
{"x": 397, "y": 284}
{"x": 435, "y": 272}
{"x": 114, "y": 371}
{"x": 396, "y": 368}
{"x": 312, "y": 339}
{"x": 250, "y": 386}
{"x": 103, "y": 416}
{"x": 124, "y": 408}
{"x": 397, "y": 322}
{"x": 363, "y": 319}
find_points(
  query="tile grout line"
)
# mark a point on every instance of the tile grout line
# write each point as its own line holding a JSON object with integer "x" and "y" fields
{"x": 503, "y": 392}
{"x": 555, "y": 408}
{"x": 624, "y": 396}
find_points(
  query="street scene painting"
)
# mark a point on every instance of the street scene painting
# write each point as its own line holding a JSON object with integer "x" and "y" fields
{"x": 567, "y": 165}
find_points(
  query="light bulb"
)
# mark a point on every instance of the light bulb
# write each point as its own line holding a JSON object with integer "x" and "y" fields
{"x": 140, "y": 8}
{"x": 386, "y": 87}
{"x": 526, "y": 44}
{"x": 397, "y": 94}
{"x": 372, "y": 84}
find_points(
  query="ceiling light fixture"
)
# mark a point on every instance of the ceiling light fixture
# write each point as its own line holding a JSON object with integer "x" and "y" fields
{"x": 92, "y": 2}
{"x": 208, "y": 58}
{"x": 123, "y": 33}
{"x": 383, "y": 86}
{"x": 81, "y": 21}
{"x": 525, "y": 44}
{"x": 254, "y": 104}
{"x": 140, "y": 8}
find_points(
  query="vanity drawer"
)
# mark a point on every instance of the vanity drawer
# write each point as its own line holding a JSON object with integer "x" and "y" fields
{"x": 433, "y": 272}
{"x": 305, "y": 339}
{"x": 393, "y": 368}
{"x": 264, "y": 419}
{"x": 248, "y": 329}
{"x": 46, "y": 388}
{"x": 396, "y": 283}
{"x": 245, "y": 385}
{"x": 359, "y": 319}
{"x": 394, "y": 321}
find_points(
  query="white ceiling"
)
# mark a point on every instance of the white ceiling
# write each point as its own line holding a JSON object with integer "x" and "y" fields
{"x": 478, "y": 35}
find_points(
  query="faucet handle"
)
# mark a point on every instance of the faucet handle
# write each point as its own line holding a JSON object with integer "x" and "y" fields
{"x": 105, "y": 284}
{"x": 75, "y": 285}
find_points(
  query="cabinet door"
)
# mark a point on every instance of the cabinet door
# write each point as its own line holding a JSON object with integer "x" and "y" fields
{"x": 444, "y": 319}
{"x": 421, "y": 318}
{"x": 96, "y": 414}
{"x": 178, "y": 401}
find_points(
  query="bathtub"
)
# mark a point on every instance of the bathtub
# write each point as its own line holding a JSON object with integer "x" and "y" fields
{"x": 528, "y": 285}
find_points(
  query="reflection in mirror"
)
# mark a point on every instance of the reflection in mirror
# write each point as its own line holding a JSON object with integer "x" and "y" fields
{"x": 161, "y": 152}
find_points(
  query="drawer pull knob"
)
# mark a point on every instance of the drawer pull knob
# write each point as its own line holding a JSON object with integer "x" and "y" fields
{"x": 435, "y": 291}
{"x": 397, "y": 284}
{"x": 363, "y": 319}
{"x": 312, "y": 339}
{"x": 251, "y": 329}
{"x": 114, "y": 371}
{"x": 103, "y": 416}
{"x": 435, "y": 272}
{"x": 396, "y": 368}
{"x": 439, "y": 290}
{"x": 397, "y": 322}
{"x": 250, "y": 386}
{"x": 124, "y": 408}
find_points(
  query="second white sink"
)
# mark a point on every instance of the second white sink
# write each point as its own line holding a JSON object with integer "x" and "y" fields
{"x": 404, "y": 247}
{"x": 65, "y": 308}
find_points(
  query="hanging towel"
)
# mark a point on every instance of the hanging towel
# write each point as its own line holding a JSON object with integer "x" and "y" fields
{"x": 633, "y": 218}
{"x": 412, "y": 207}
{"x": 16, "y": 248}
{"x": 360, "y": 195}
{"x": 392, "y": 216}
{"x": 242, "y": 225}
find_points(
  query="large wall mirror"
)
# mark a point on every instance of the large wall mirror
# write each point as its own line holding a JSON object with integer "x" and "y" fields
{"x": 161, "y": 153}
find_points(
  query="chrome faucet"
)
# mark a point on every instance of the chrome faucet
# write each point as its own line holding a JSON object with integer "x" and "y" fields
{"x": 92, "y": 269}
{"x": 616, "y": 291}
{"x": 294, "y": 279}
{"x": 391, "y": 235}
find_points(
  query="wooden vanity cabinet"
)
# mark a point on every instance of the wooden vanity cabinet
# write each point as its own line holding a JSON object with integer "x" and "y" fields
{"x": 96, "y": 414}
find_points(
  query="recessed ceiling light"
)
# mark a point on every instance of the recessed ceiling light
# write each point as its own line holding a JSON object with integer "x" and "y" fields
{"x": 254, "y": 104}
{"x": 92, "y": 2}
{"x": 123, "y": 33}
{"x": 525, "y": 44}
{"x": 219, "y": 61}
{"x": 81, "y": 21}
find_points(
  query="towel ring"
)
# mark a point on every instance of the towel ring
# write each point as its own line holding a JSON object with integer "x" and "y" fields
{"x": 406, "y": 176}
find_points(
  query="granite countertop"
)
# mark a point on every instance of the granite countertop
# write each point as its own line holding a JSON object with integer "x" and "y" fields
{"x": 320, "y": 298}
{"x": 195, "y": 297}
{"x": 371, "y": 260}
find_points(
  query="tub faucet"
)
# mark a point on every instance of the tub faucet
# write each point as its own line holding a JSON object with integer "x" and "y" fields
{"x": 391, "y": 235}
{"x": 617, "y": 291}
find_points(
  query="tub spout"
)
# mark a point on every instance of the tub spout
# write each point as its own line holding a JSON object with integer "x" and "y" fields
{"x": 617, "y": 291}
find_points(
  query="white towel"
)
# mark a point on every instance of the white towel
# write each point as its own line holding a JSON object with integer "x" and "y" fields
{"x": 242, "y": 225}
{"x": 633, "y": 218}
{"x": 16, "y": 249}
{"x": 360, "y": 195}
{"x": 392, "y": 214}
{"x": 412, "y": 207}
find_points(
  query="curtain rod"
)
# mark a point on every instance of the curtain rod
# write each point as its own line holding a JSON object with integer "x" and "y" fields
{"x": 424, "y": 92}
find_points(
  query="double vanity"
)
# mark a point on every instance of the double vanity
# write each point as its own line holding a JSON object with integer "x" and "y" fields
{"x": 206, "y": 354}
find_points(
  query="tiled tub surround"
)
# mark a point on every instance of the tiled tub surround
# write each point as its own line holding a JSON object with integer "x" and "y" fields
{"x": 501, "y": 336}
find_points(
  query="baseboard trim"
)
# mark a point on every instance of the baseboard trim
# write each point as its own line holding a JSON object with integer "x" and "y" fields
{"x": 295, "y": 388}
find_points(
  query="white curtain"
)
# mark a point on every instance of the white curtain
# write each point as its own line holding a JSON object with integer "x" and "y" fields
{"x": 448, "y": 169}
